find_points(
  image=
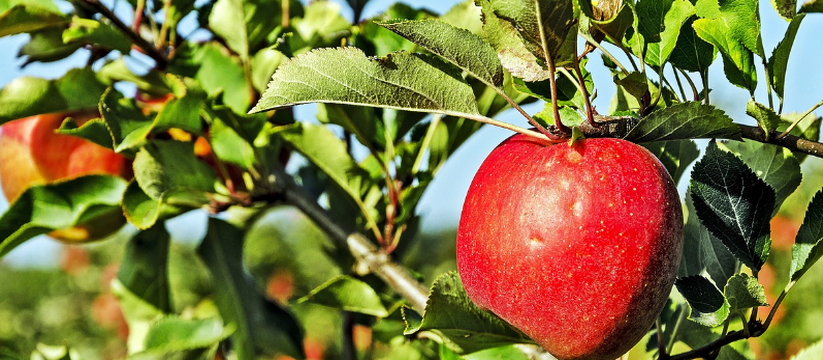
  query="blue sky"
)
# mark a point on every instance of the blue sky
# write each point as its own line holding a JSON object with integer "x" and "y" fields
{"x": 441, "y": 204}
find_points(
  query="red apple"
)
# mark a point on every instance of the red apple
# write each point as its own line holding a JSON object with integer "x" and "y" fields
{"x": 575, "y": 245}
{"x": 31, "y": 153}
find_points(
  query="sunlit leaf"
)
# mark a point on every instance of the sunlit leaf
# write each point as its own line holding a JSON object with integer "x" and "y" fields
{"x": 779, "y": 61}
{"x": 170, "y": 171}
{"x": 744, "y": 292}
{"x": 684, "y": 121}
{"x": 349, "y": 294}
{"x": 93, "y": 32}
{"x": 808, "y": 247}
{"x": 26, "y": 17}
{"x": 26, "y": 96}
{"x": 708, "y": 305}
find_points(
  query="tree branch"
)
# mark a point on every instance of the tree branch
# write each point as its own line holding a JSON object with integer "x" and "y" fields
{"x": 138, "y": 40}
{"x": 378, "y": 261}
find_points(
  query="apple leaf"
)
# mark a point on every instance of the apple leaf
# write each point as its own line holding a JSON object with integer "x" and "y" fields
{"x": 142, "y": 211}
{"x": 779, "y": 61}
{"x": 94, "y": 130}
{"x": 738, "y": 62}
{"x": 27, "y": 96}
{"x": 93, "y": 32}
{"x": 660, "y": 22}
{"x": 766, "y": 118}
{"x": 708, "y": 305}
{"x": 811, "y": 352}
{"x": 692, "y": 53}
{"x": 144, "y": 267}
{"x": 702, "y": 251}
{"x": 170, "y": 171}
{"x": 514, "y": 54}
{"x": 775, "y": 165}
{"x": 458, "y": 46}
{"x": 26, "y": 18}
{"x": 786, "y": 8}
{"x": 676, "y": 155}
{"x": 695, "y": 336}
{"x": 222, "y": 75}
{"x": 44, "y": 208}
{"x": 542, "y": 26}
{"x": 508, "y": 352}
{"x": 174, "y": 334}
{"x": 811, "y": 6}
{"x": 684, "y": 121}
{"x": 349, "y": 294}
{"x": 458, "y": 323}
{"x": 259, "y": 322}
{"x": 744, "y": 292}
{"x": 808, "y": 246}
{"x": 734, "y": 204}
{"x": 401, "y": 81}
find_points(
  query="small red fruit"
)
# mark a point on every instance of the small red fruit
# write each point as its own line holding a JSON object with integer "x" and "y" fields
{"x": 577, "y": 246}
{"x": 31, "y": 153}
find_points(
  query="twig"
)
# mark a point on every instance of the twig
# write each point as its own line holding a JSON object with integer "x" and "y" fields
{"x": 378, "y": 261}
{"x": 138, "y": 40}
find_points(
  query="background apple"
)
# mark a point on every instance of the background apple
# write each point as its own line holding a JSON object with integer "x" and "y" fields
{"x": 31, "y": 153}
{"x": 575, "y": 245}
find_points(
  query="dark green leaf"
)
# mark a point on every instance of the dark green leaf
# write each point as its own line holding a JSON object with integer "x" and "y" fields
{"x": 708, "y": 305}
{"x": 260, "y": 323}
{"x": 779, "y": 61}
{"x": 684, "y": 121}
{"x": 142, "y": 211}
{"x": 634, "y": 83}
{"x": 222, "y": 74}
{"x": 47, "y": 45}
{"x": 399, "y": 81}
{"x": 786, "y": 8}
{"x": 676, "y": 155}
{"x": 94, "y": 130}
{"x": 93, "y": 32}
{"x": 812, "y": 6}
{"x": 703, "y": 251}
{"x": 461, "y": 325}
{"x": 26, "y": 96}
{"x": 243, "y": 23}
{"x": 744, "y": 292}
{"x": 808, "y": 247}
{"x": 170, "y": 171}
{"x": 144, "y": 268}
{"x": 775, "y": 165}
{"x": 26, "y": 17}
{"x": 734, "y": 204}
{"x": 692, "y": 53}
{"x": 349, "y": 294}
{"x": 458, "y": 46}
{"x": 660, "y": 23}
{"x": 44, "y": 208}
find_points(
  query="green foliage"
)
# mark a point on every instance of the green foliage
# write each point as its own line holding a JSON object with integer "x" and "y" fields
{"x": 210, "y": 128}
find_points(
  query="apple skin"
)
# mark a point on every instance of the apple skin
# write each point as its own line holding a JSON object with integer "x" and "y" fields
{"x": 31, "y": 153}
{"x": 576, "y": 246}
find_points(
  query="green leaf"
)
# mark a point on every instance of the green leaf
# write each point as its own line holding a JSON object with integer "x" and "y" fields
{"x": 542, "y": 25}
{"x": 458, "y": 46}
{"x": 459, "y": 324}
{"x": 775, "y": 165}
{"x": 742, "y": 20}
{"x": 44, "y": 208}
{"x": 27, "y": 96}
{"x": 259, "y": 323}
{"x": 676, "y": 155}
{"x": 811, "y": 6}
{"x": 222, "y": 74}
{"x": 142, "y": 211}
{"x": 703, "y": 251}
{"x": 765, "y": 117}
{"x": 26, "y": 18}
{"x": 692, "y": 53}
{"x": 708, "y": 305}
{"x": 734, "y": 204}
{"x": 786, "y": 8}
{"x": 349, "y": 294}
{"x": 808, "y": 246}
{"x": 660, "y": 23}
{"x": 346, "y": 76}
{"x": 170, "y": 171}
{"x": 465, "y": 15}
{"x": 779, "y": 61}
{"x": 175, "y": 334}
{"x": 811, "y": 352}
{"x": 94, "y": 130}
{"x": 242, "y": 22}
{"x": 684, "y": 121}
{"x": 322, "y": 24}
{"x": 744, "y": 292}
{"x": 144, "y": 268}
{"x": 93, "y": 32}
{"x": 139, "y": 314}
{"x": 738, "y": 61}
{"x": 46, "y": 46}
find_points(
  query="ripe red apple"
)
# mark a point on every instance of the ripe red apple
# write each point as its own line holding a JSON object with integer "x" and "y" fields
{"x": 575, "y": 245}
{"x": 31, "y": 153}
